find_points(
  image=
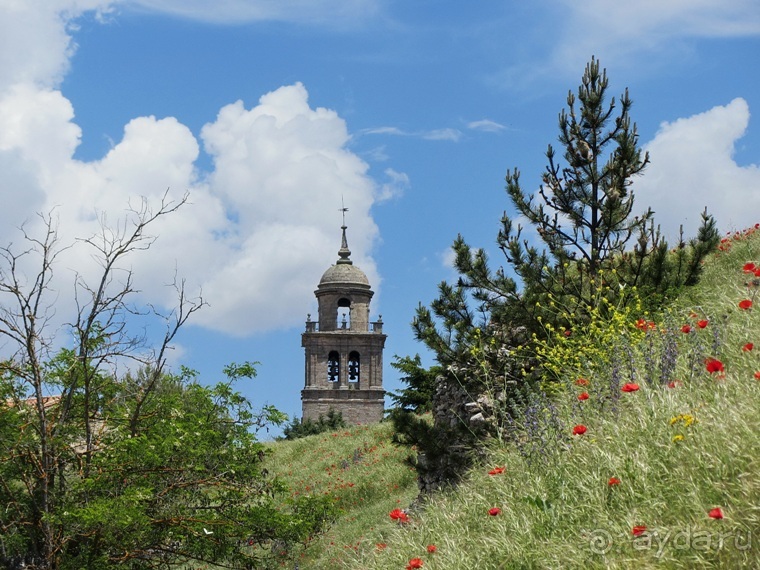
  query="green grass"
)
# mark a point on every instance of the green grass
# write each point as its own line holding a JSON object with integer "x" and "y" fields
{"x": 557, "y": 509}
{"x": 365, "y": 474}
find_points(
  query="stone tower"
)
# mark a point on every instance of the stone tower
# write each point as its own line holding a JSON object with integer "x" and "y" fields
{"x": 344, "y": 350}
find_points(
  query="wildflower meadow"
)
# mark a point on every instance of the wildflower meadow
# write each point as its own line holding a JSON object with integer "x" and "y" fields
{"x": 642, "y": 451}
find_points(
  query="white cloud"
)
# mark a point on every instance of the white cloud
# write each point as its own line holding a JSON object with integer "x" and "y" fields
{"x": 385, "y": 131}
{"x": 448, "y": 257}
{"x": 443, "y": 135}
{"x": 622, "y": 33}
{"x": 446, "y": 134}
{"x": 283, "y": 169}
{"x": 397, "y": 184}
{"x": 622, "y": 29}
{"x": 35, "y": 46}
{"x": 257, "y": 232}
{"x": 486, "y": 125}
{"x": 322, "y": 12}
{"x": 693, "y": 167}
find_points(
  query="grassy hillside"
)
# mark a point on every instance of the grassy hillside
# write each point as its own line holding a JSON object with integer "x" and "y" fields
{"x": 665, "y": 475}
{"x": 367, "y": 476}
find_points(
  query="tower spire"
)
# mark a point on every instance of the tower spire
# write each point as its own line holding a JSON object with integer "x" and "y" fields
{"x": 344, "y": 253}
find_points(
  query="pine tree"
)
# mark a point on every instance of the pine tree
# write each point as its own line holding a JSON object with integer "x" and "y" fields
{"x": 583, "y": 216}
{"x": 417, "y": 397}
{"x": 582, "y": 213}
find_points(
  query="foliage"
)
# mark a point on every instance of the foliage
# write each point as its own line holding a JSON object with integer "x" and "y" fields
{"x": 298, "y": 427}
{"x": 589, "y": 345}
{"x": 150, "y": 470}
{"x": 582, "y": 215}
{"x": 418, "y": 395}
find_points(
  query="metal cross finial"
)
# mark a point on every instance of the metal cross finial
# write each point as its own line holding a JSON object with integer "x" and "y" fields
{"x": 344, "y": 210}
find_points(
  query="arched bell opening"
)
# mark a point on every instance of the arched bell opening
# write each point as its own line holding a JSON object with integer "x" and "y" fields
{"x": 354, "y": 367}
{"x": 343, "y": 317}
{"x": 333, "y": 368}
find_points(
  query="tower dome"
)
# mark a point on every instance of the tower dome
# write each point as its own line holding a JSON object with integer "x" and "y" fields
{"x": 344, "y": 272}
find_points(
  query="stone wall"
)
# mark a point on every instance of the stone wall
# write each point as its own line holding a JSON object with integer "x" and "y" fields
{"x": 441, "y": 467}
{"x": 356, "y": 406}
{"x": 464, "y": 418}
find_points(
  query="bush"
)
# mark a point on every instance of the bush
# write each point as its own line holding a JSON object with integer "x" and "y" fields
{"x": 301, "y": 428}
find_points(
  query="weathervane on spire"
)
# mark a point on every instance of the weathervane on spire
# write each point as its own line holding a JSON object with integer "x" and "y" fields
{"x": 343, "y": 210}
{"x": 344, "y": 253}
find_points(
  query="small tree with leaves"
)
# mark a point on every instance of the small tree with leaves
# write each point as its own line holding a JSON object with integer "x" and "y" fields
{"x": 147, "y": 470}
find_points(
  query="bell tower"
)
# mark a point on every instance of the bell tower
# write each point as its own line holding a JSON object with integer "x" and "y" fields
{"x": 344, "y": 350}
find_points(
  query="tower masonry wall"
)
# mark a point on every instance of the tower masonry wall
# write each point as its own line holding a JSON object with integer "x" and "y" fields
{"x": 343, "y": 358}
{"x": 356, "y": 406}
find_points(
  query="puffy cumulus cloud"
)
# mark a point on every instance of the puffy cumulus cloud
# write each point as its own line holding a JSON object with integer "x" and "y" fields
{"x": 256, "y": 233}
{"x": 35, "y": 43}
{"x": 693, "y": 167}
{"x": 37, "y": 140}
{"x": 323, "y": 12}
{"x": 38, "y": 122}
{"x": 282, "y": 172}
{"x": 20, "y": 192}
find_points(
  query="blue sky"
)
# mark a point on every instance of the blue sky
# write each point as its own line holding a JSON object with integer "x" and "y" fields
{"x": 270, "y": 112}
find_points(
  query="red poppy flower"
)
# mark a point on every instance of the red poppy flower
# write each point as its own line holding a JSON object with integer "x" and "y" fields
{"x": 497, "y": 471}
{"x": 583, "y": 396}
{"x": 716, "y": 513}
{"x": 414, "y": 563}
{"x": 581, "y": 382}
{"x": 757, "y": 375}
{"x": 749, "y": 267}
{"x": 432, "y": 548}
{"x": 639, "y": 530}
{"x": 494, "y": 511}
{"x": 747, "y": 347}
{"x": 703, "y": 323}
{"x": 674, "y": 383}
{"x": 630, "y": 387}
{"x": 613, "y": 481}
{"x": 566, "y": 333}
{"x": 757, "y": 272}
{"x": 579, "y": 430}
{"x": 745, "y": 304}
{"x": 399, "y": 515}
{"x": 714, "y": 365}
{"x": 686, "y": 329}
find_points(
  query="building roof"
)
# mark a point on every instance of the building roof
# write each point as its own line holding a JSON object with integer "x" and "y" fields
{"x": 344, "y": 272}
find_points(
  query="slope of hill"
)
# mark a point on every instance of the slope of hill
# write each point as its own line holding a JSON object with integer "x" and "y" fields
{"x": 367, "y": 476}
{"x": 658, "y": 466}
